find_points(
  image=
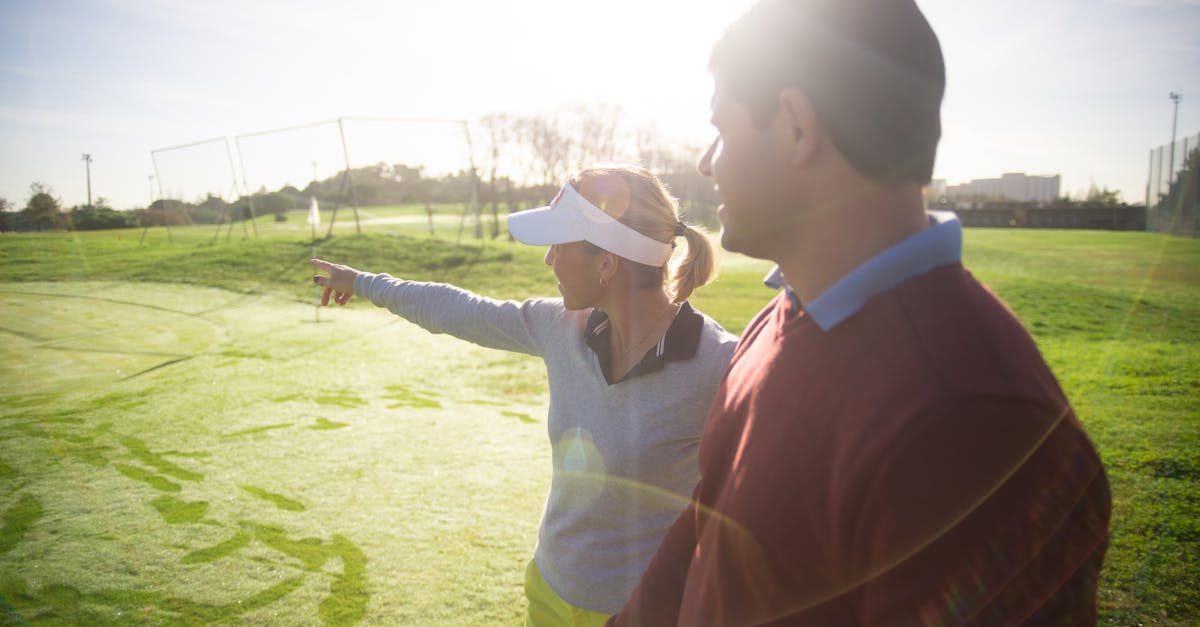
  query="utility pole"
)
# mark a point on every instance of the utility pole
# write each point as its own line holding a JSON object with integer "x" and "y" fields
{"x": 87, "y": 159}
{"x": 150, "y": 178}
{"x": 1175, "y": 97}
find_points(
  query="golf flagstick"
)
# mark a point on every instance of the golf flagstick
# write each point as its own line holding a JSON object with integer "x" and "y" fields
{"x": 314, "y": 220}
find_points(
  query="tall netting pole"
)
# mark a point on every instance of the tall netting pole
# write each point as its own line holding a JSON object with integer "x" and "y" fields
{"x": 237, "y": 143}
{"x": 475, "y": 208}
{"x": 233, "y": 172}
{"x": 431, "y": 147}
{"x": 161, "y": 200}
{"x": 349, "y": 182}
{"x": 396, "y": 162}
{"x": 198, "y": 182}
{"x": 272, "y": 156}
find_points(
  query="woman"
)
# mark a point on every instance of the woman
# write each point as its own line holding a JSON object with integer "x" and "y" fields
{"x": 632, "y": 368}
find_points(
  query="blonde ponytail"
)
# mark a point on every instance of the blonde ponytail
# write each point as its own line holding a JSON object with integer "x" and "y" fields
{"x": 697, "y": 268}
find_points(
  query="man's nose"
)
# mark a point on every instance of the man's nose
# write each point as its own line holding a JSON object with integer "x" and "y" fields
{"x": 705, "y": 163}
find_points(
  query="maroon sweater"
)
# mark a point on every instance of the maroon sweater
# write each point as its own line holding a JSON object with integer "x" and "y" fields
{"x": 916, "y": 464}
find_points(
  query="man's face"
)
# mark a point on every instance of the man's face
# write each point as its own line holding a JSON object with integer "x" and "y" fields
{"x": 746, "y": 164}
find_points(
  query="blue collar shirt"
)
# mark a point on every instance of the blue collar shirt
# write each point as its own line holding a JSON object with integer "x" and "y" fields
{"x": 938, "y": 245}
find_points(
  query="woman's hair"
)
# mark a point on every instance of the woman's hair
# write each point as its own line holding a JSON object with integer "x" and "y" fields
{"x": 640, "y": 201}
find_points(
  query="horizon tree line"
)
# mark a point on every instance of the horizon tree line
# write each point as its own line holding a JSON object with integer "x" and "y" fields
{"x": 521, "y": 160}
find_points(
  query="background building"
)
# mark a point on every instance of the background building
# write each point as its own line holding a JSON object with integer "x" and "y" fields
{"x": 1013, "y": 186}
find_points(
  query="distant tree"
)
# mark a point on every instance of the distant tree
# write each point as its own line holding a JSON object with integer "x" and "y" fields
{"x": 1104, "y": 196}
{"x": 596, "y": 133}
{"x": 500, "y": 133}
{"x": 166, "y": 212}
{"x": 100, "y": 216}
{"x": 209, "y": 210}
{"x": 5, "y": 219}
{"x": 296, "y": 197}
{"x": 42, "y": 211}
{"x": 676, "y": 166}
{"x": 406, "y": 173}
{"x": 274, "y": 202}
{"x": 549, "y": 147}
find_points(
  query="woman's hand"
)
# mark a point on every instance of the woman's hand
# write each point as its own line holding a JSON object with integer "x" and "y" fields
{"x": 339, "y": 283}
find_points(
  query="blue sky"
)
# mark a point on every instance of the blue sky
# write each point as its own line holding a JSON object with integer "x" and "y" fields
{"x": 1071, "y": 87}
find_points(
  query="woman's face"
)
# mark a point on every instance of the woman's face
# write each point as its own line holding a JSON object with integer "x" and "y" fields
{"x": 577, "y": 269}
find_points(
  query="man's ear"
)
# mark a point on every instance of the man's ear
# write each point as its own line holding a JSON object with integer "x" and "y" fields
{"x": 798, "y": 126}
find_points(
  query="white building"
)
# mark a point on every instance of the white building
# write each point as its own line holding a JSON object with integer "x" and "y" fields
{"x": 1015, "y": 186}
{"x": 937, "y": 189}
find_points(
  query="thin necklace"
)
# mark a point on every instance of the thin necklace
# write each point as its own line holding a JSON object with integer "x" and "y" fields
{"x": 653, "y": 328}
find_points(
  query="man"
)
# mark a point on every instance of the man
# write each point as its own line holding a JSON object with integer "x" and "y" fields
{"x": 888, "y": 446}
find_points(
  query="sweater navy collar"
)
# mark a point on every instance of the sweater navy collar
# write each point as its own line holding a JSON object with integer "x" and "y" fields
{"x": 679, "y": 343}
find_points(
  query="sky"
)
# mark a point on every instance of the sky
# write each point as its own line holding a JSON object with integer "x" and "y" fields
{"x": 1071, "y": 87}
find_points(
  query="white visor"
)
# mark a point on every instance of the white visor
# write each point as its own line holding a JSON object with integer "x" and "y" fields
{"x": 572, "y": 218}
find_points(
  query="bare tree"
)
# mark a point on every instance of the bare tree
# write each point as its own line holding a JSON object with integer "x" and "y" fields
{"x": 598, "y": 134}
{"x": 545, "y": 148}
{"x": 500, "y": 138}
{"x": 549, "y": 148}
{"x": 531, "y": 155}
{"x": 651, "y": 152}
{"x": 675, "y": 164}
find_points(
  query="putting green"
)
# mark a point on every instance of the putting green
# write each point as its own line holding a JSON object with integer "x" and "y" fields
{"x": 179, "y": 454}
{"x": 61, "y": 334}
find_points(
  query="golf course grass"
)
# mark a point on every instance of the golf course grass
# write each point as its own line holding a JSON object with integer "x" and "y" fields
{"x": 184, "y": 439}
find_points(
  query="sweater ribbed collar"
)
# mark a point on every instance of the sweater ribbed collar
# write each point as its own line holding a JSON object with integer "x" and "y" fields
{"x": 679, "y": 343}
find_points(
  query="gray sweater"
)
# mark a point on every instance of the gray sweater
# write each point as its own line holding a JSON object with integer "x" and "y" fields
{"x": 624, "y": 454}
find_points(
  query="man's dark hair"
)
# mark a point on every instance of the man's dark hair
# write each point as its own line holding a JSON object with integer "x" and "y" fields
{"x": 872, "y": 69}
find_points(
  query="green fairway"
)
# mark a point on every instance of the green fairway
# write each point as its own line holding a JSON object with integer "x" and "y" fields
{"x": 247, "y": 464}
{"x": 182, "y": 441}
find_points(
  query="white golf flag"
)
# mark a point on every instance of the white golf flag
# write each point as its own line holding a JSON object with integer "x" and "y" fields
{"x": 314, "y": 213}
